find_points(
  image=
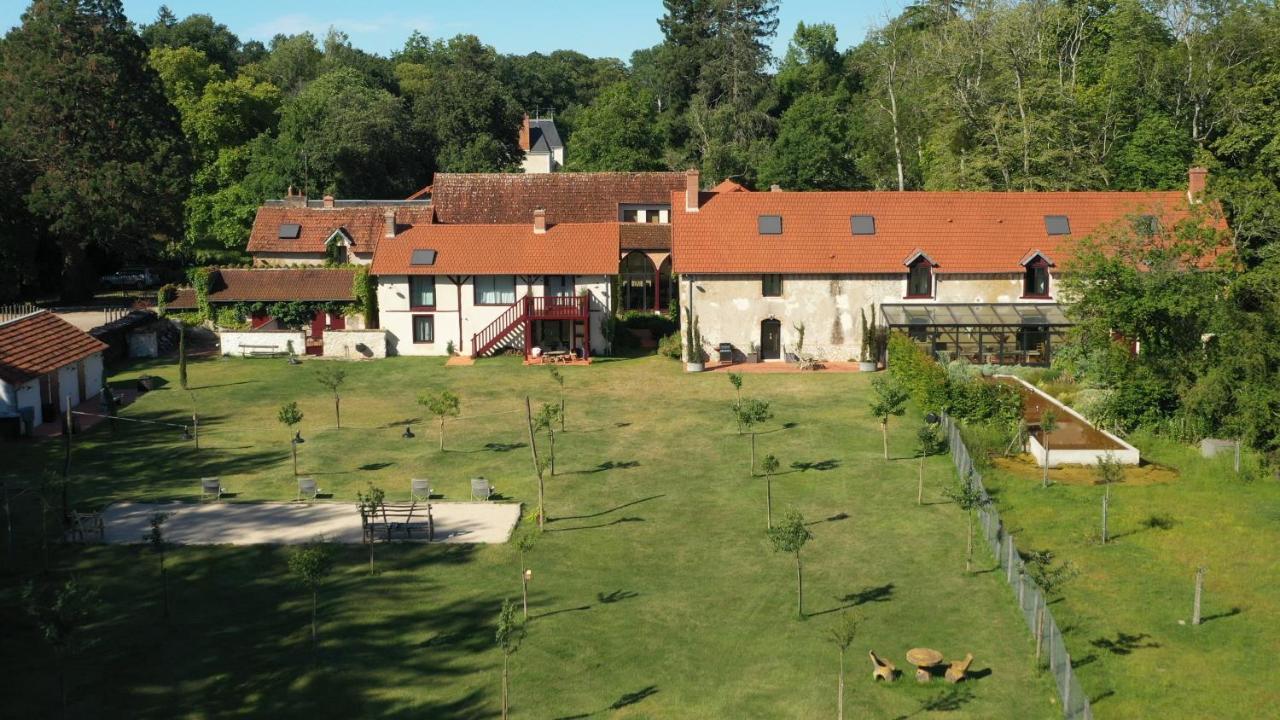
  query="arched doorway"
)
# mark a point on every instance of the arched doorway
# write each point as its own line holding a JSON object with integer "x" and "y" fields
{"x": 666, "y": 285}
{"x": 637, "y": 277}
{"x": 771, "y": 339}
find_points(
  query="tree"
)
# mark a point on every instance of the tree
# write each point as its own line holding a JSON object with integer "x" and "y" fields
{"x": 735, "y": 379}
{"x": 750, "y": 413}
{"x": 1048, "y": 423}
{"x": 289, "y": 416}
{"x": 790, "y": 536}
{"x": 968, "y": 496}
{"x": 558, "y": 378}
{"x": 61, "y": 615}
{"x": 444, "y": 404}
{"x": 845, "y": 630}
{"x": 182, "y": 355}
{"x": 547, "y": 419}
{"x": 616, "y": 132}
{"x": 510, "y": 632}
{"x": 1109, "y": 471}
{"x": 311, "y": 564}
{"x": 370, "y": 503}
{"x": 198, "y": 32}
{"x": 812, "y": 150}
{"x": 890, "y": 400}
{"x": 107, "y": 180}
{"x": 1050, "y": 579}
{"x": 524, "y": 543}
{"x": 331, "y": 376}
{"x": 769, "y": 466}
{"x": 539, "y": 466}
{"x": 155, "y": 538}
{"x": 928, "y": 443}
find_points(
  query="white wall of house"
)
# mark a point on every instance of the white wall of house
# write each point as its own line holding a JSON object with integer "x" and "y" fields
{"x": 541, "y": 162}
{"x": 93, "y": 375}
{"x": 731, "y": 308}
{"x": 457, "y": 317}
{"x": 69, "y": 385}
{"x": 15, "y": 398}
{"x": 355, "y": 344}
{"x": 283, "y": 259}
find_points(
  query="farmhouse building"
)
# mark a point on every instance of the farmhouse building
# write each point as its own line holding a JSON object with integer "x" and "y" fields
{"x": 46, "y": 364}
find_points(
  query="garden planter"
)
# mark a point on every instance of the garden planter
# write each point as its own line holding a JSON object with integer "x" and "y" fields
{"x": 694, "y": 366}
{"x": 866, "y": 366}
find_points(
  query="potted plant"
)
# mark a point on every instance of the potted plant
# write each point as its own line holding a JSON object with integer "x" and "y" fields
{"x": 873, "y": 341}
{"x": 695, "y": 358}
{"x": 753, "y": 355}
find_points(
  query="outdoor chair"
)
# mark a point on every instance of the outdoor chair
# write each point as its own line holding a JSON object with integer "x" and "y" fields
{"x": 419, "y": 489}
{"x": 481, "y": 488}
{"x": 959, "y": 669}
{"x": 86, "y": 527}
{"x": 884, "y": 670}
{"x": 307, "y": 487}
{"x": 211, "y": 487}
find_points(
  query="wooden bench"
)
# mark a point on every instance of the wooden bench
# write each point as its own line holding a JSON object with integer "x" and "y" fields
{"x": 393, "y": 520}
{"x": 260, "y": 351}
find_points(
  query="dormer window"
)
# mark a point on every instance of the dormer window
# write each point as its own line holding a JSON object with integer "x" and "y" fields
{"x": 770, "y": 224}
{"x": 920, "y": 277}
{"x": 1035, "y": 280}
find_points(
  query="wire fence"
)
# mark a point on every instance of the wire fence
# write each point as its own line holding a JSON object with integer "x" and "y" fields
{"x": 1031, "y": 600}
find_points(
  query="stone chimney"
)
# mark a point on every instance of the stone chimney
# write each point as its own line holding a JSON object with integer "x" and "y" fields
{"x": 692, "y": 186}
{"x": 328, "y": 201}
{"x": 775, "y": 188}
{"x": 524, "y": 134}
{"x": 1197, "y": 177}
{"x": 389, "y": 223}
{"x": 294, "y": 198}
{"x": 540, "y": 221}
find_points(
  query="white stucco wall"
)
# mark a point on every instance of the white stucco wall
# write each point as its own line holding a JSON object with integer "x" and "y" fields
{"x": 8, "y": 397}
{"x": 730, "y": 308}
{"x": 93, "y": 375}
{"x": 537, "y": 163}
{"x": 456, "y": 304}
{"x": 355, "y": 344}
{"x": 233, "y": 340}
{"x": 69, "y": 385}
{"x": 283, "y": 259}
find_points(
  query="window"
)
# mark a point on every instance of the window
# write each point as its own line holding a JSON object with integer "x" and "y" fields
{"x": 770, "y": 224}
{"x": 637, "y": 276}
{"x": 559, "y": 285}
{"x": 422, "y": 291}
{"x": 495, "y": 289}
{"x": 1035, "y": 282}
{"x": 862, "y": 225}
{"x": 1057, "y": 225}
{"x": 771, "y": 285}
{"x": 920, "y": 279}
{"x": 424, "y": 328}
{"x": 423, "y": 257}
{"x": 290, "y": 231}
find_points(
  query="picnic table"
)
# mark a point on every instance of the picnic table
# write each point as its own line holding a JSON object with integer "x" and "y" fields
{"x": 557, "y": 356}
{"x": 398, "y": 519}
{"x": 923, "y": 659}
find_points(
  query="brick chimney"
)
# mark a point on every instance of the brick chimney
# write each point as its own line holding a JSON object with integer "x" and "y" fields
{"x": 775, "y": 188}
{"x": 1196, "y": 179}
{"x": 524, "y": 133}
{"x": 328, "y": 201}
{"x": 692, "y": 186}
{"x": 540, "y": 221}
{"x": 389, "y": 223}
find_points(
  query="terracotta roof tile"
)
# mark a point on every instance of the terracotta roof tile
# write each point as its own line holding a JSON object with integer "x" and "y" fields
{"x": 644, "y": 236}
{"x": 363, "y": 224}
{"x": 282, "y": 284}
{"x": 567, "y": 197}
{"x": 183, "y": 299}
{"x": 38, "y": 344}
{"x": 964, "y": 232}
{"x": 565, "y": 249}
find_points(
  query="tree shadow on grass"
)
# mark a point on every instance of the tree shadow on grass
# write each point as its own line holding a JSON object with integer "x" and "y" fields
{"x": 820, "y": 466}
{"x": 1124, "y": 643}
{"x": 626, "y": 700}
{"x": 949, "y": 700}
{"x": 399, "y": 423}
{"x": 375, "y": 466}
{"x": 619, "y": 521}
{"x": 606, "y": 512}
{"x": 504, "y": 447}
{"x": 605, "y": 466}
{"x": 834, "y": 518}
{"x": 876, "y": 593}
{"x": 221, "y": 385}
{"x": 612, "y": 426}
{"x": 548, "y": 614}
{"x": 1236, "y": 610}
{"x": 615, "y": 596}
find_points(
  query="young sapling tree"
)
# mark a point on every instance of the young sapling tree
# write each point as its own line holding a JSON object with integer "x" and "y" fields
{"x": 289, "y": 416}
{"x": 751, "y": 413}
{"x": 370, "y": 503}
{"x": 735, "y": 379}
{"x": 155, "y": 538}
{"x": 790, "y": 536}
{"x": 444, "y": 405}
{"x": 558, "y": 377}
{"x": 546, "y": 419}
{"x": 845, "y": 630}
{"x": 966, "y": 494}
{"x": 889, "y": 400}
{"x": 1108, "y": 471}
{"x": 770, "y": 466}
{"x": 311, "y": 564}
{"x": 928, "y": 443}
{"x": 524, "y": 543}
{"x": 1051, "y": 579}
{"x": 182, "y": 355}
{"x": 61, "y": 615}
{"x": 331, "y": 376}
{"x": 1048, "y": 423}
{"x": 510, "y": 632}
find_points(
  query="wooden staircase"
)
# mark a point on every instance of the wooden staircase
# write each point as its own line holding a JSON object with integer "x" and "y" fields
{"x": 515, "y": 323}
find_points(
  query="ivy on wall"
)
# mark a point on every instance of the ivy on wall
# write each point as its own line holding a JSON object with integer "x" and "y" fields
{"x": 365, "y": 292}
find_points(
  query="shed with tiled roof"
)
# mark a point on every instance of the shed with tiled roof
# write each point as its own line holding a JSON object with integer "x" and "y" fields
{"x": 46, "y": 362}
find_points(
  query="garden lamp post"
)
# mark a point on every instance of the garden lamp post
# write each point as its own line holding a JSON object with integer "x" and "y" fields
{"x": 524, "y": 583}
{"x": 294, "y": 443}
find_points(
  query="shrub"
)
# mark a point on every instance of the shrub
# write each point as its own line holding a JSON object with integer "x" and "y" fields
{"x": 230, "y": 318}
{"x": 670, "y": 346}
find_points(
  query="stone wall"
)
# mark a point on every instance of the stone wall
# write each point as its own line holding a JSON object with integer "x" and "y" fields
{"x": 234, "y": 342}
{"x": 355, "y": 344}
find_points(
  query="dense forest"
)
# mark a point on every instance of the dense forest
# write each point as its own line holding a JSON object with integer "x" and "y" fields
{"x": 122, "y": 143}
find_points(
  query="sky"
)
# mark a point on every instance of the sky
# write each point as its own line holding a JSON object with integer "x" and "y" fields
{"x": 599, "y": 28}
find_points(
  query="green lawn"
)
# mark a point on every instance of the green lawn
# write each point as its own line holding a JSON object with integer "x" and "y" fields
{"x": 1121, "y": 616}
{"x": 655, "y": 593}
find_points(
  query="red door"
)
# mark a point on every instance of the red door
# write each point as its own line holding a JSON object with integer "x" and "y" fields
{"x": 337, "y": 322}
{"x": 315, "y": 339}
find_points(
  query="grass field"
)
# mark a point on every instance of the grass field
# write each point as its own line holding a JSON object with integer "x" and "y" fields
{"x": 1126, "y": 618}
{"x": 655, "y": 592}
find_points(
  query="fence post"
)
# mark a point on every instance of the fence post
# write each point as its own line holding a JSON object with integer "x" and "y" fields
{"x": 1195, "y": 608}
{"x": 1010, "y": 577}
{"x": 1021, "y": 586}
{"x": 1066, "y": 688}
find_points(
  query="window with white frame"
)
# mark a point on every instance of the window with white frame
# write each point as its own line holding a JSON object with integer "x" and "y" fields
{"x": 495, "y": 289}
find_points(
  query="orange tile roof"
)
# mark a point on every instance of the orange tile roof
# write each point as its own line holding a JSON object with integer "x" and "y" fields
{"x": 364, "y": 224}
{"x": 644, "y": 236}
{"x": 963, "y": 232}
{"x": 568, "y": 197}
{"x": 316, "y": 284}
{"x": 565, "y": 249}
{"x": 38, "y": 344}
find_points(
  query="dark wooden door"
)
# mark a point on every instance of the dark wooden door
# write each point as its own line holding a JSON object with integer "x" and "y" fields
{"x": 770, "y": 340}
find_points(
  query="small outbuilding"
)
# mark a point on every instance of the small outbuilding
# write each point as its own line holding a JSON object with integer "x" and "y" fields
{"x": 46, "y": 363}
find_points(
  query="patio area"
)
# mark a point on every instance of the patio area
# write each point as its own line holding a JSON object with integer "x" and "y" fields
{"x": 278, "y": 523}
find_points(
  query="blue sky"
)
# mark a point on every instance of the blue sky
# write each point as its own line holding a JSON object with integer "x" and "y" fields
{"x": 611, "y": 28}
